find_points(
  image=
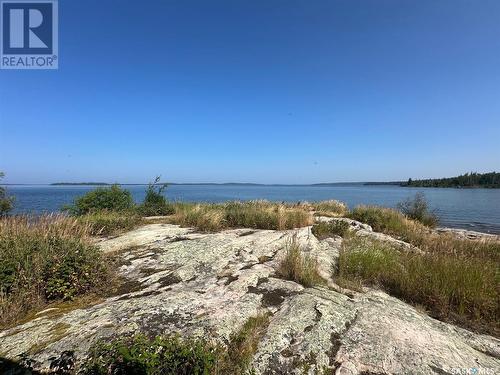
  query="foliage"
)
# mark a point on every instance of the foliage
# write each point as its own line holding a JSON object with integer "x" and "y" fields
{"x": 109, "y": 199}
{"x": 155, "y": 203}
{"x": 110, "y": 222}
{"x": 43, "y": 259}
{"x": 473, "y": 179}
{"x": 325, "y": 229}
{"x": 6, "y": 202}
{"x": 298, "y": 266}
{"x": 450, "y": 286}
{"x": 417, "y": 208}
{"x": 141, "y": 355}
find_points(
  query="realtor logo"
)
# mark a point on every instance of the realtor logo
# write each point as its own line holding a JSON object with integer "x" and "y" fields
{"x": 29, "y": 37}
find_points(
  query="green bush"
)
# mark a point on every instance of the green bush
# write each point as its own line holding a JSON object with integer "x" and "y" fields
{"x": 332, "y": 228}
{"x": 155, "y": 203}
{"x": 417, "y": 208}
{"x": 6, "y": 202}
{"x": 110, "y": 199}
{"x": 143, "y": 356}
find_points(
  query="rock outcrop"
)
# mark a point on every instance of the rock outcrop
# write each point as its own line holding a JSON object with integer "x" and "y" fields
{"x": 209, "y": 285}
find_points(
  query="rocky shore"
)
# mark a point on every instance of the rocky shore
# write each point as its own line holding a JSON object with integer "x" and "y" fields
{"x": 210, "y": 284}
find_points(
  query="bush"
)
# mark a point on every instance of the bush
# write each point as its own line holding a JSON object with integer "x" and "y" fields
{"x": 332, "y": 228}
{"x": 417, "y": 208}
{"x": 108, "y": 199}
{"x": 110, "y": 222}
{"x": 299, "y": 267}
{"x": 43, "y": 259}
{"x": 6, "y": 202}
{"x": 161, "y": 355}
{"x": 450, "y": 286}
{"x": 155, "y": 203}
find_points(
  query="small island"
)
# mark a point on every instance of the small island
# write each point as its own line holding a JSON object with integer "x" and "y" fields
{"x": 467, "y": 180}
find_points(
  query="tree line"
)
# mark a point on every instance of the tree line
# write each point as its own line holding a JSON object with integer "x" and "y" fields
{"x": 467, "y": 180}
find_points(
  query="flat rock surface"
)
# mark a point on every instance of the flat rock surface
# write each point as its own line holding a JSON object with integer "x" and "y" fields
{"x": 210, "y": 284}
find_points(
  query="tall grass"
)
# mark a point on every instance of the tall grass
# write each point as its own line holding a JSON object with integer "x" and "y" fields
{"x": 330, "y": 207}
{"x": 253, "y": 214}
{"x": 462, "y": 289}
{"x": 43, "y": 259}
{"x": 298, "y": 266}
{"x": 394, "y": 223}
{"x": 109, "y": 222}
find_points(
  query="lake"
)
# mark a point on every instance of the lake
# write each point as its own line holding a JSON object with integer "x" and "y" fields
{"x": 474, "y": 209}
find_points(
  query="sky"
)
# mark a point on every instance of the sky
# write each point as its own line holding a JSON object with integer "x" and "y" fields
{"x": 258, "y": 91}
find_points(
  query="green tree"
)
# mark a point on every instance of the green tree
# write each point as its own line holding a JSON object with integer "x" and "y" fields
{"x": 155, "y": 202}
{"x": 6, "y": 202}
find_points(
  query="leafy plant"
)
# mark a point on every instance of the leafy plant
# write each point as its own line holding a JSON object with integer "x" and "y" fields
{"x": 155, "y": 203}
{"x": 6, "y": 202}
{"x": 110, "y": 199}
{"x": 141, "y": 355}
{"x": 417, "y": 208}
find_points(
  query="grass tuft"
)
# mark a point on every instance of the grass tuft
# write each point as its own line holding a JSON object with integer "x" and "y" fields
{"x": 453, "y": 287}
{"x": 253, "y": 214}
{"x": 299, "y": 267}
{"x": 332, "y": 228}
{"x": 43, "y": 259}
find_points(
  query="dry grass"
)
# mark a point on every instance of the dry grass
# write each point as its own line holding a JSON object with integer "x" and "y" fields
{"x": 105, "y": 223}
{"x": 450, "y": 285}
{"x": 242, "y": 346}
{"x": 43, "y": 259}
{"x": 332, "y": 228}
{"x": 330, "y": 208}
{"x": 253, "y": 214}
{"x": 298, "y": 266}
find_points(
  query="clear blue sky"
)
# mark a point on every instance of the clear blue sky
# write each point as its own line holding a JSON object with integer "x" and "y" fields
{"x": 259, "y": 91}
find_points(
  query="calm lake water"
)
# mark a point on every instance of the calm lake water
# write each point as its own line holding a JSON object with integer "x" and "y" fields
{"x": 474, "y": 209}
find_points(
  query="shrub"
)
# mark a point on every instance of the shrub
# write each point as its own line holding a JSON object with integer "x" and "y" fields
{"x": 299, "y": 267}
{"x": 325, "y": 229}
{"x": 451, "y": 287}
{"x": 43, "y": 259}
{"x": 109, "y": 199}
{"x": 110, "y": 222}
{"x": 142, "y": 355}
{"x": 155, "y": 203}
{"x": 6, "y": 202}
{"x": 417, "y": 208}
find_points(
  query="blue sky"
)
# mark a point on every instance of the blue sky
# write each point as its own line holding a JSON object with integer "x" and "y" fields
{"x": 259, "y": 91}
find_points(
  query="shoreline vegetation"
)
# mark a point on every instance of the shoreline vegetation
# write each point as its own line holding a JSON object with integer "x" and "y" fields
{"x": 54, "y": 259}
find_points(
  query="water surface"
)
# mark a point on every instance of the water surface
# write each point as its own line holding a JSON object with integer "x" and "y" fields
{"x": 474, "y": 209}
